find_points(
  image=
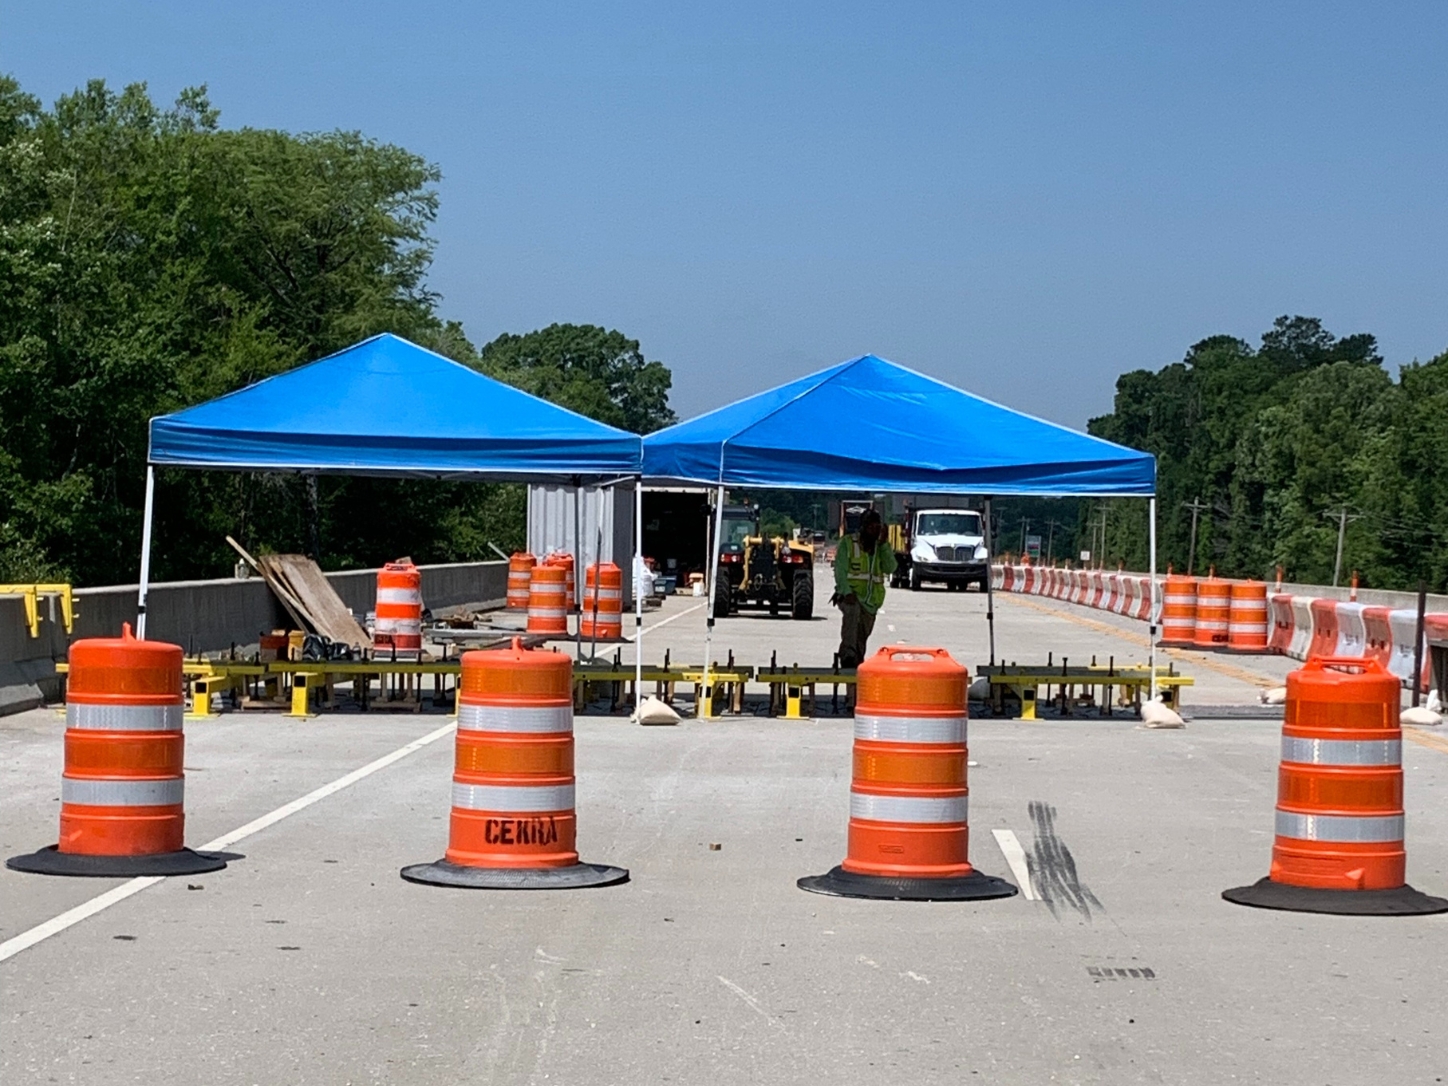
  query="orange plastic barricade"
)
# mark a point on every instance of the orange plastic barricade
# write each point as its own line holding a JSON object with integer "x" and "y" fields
{"x": 909, "y": 828}
{"x": 121, "y": 794}
{"x": 398, "y": 630}
{"x": 1283, "y": 622}
{"x": 1339, "y": 834}
{"x": 1324, "y": 628}
{"x": 513, "y": 824}
{"x": 1214, "y": 612}
{"x": 1179, "y": 611}
{"x": 603, "y": 594}
{"x": 520, "y": 572}
{"x": 547, "y": 601}
{"x": 1247, "y": 617}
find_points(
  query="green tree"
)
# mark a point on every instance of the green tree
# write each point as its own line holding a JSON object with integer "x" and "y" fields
{"x": 598, "y": 373}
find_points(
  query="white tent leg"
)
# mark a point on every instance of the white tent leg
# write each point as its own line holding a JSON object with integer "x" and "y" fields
{"x": 638, "y": 565}
{"x": 711, "y": 574}
{"x": 146, "y": 518}
{"x": 578, "y": 567}
{"x": 989, "y": 581}
{"x": 1155, "y": 595}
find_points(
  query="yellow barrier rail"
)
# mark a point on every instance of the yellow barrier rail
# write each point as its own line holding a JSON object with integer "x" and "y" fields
{"x": 32, "y": 594}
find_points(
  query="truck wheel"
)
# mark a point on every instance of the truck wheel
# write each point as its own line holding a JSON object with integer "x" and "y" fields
{"x": 914, "y": 579}
{"x": 802, "y": 595}
{"x": 721, "y": 598}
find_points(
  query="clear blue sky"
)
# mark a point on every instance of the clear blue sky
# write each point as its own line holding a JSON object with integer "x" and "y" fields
{"x": 1024, "y": 199}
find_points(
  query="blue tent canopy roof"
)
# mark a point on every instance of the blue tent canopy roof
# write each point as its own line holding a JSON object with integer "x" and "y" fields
{"x": 389, "y": 407}
{"x": 871, "y": 425}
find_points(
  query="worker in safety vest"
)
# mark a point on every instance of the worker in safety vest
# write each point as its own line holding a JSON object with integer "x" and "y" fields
{"x": 863, "y": 563}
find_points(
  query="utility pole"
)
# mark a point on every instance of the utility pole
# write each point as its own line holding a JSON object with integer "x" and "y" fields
{"x": 1196, "y": 505}
{"x": 1025, "y": 525}
{"x": 1101, "y": 554}
{"x": 1050, "y": 539}
{"x": 1343, "y": 517}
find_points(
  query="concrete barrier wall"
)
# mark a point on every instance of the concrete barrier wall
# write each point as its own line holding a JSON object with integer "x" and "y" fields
{"x": 204, "y": 616}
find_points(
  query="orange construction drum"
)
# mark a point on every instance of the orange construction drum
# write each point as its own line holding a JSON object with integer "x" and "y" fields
{"x": 1214, "y": 612}
{"x": 602, "y": 615}
{"x": 1247, "y": 623}
{"x": 548, "y": 600}
{"x": 520, "y": 572}
{"x": 513, "y": 824}
{"x": 1178, "y": 610}
{"x": 121, "y": 795}
{"x": 909, "y": 829}
{"x": 570, "y": 588}
{"x": 1339, "y": 833}
{"x": 398, "y": 629}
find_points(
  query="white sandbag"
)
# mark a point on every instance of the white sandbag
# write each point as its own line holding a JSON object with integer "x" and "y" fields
{"x": 1276, "y": 695}
{"x": 1154, "y": 714}
{"x": 1422, "y": 716}
{"x": 980, "y": 690}
{"x": 653, "y": 711}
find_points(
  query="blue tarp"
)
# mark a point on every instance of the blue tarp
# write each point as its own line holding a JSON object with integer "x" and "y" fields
{"x": 870, "y": 425}
{"x": 389, "y": 407}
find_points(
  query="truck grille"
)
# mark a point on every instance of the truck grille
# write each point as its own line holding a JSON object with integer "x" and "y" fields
{"x": 954, "y": 554}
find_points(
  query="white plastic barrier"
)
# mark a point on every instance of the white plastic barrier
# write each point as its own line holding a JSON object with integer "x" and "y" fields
{"x": 1352, "y": 631}
{"x": 1301, "y": 627}
{"x": 1403, "y": 622}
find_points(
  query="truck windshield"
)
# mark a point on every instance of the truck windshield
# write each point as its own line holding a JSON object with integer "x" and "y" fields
{"x": 949, "y": 524}
{"x": 736, "y": 530}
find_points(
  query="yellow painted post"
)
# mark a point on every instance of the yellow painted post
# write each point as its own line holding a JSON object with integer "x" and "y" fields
{"x": 300, "y": 695}
{"x": 704, "y": 701}
{"x": 201, "y": 698}
{"x": 793, "y": 697}
{"x": 1028, "y": 703}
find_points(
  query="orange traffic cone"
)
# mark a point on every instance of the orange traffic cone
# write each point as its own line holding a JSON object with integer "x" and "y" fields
{"x": 909, "y": 828}
{"x": 121, "y": 810}
{"x": 513, "y": 824}
{"x": 1339, "y": 843}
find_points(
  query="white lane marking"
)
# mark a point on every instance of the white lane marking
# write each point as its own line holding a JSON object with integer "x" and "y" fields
{"x": 665, "y": 622}
{"x": 87, "y": 909}
{"x": 753, "y": 1003}
{"x": 1016, "y": 857}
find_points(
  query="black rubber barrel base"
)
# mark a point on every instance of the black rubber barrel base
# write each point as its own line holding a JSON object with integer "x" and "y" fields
{"x": 1403, "y": 901}
{"x": 51, "y": 861}
{"x": 575, "y": 877}
{"x": 973, "y": 887}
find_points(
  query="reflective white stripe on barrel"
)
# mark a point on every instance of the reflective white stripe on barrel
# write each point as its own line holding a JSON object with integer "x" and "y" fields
{"x": 124, "y": 718}
{"x": 1342, "y": 751}
{"x": 1343, "y": 829}
{"x": 399, "y": 595}
{"x": 515, "y": 718}
{"x": 523, "y": 797}
{"x": 911, "y": 729}
{"x": 113, "y": 793}
{"x": 547, "y": 612}
{"x": 876, "y": 808}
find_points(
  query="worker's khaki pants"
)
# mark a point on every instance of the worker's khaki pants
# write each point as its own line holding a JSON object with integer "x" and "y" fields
{"x": 856, "y": 626}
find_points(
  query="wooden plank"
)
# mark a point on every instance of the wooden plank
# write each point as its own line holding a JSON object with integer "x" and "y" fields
{"x": 307, "y": 583}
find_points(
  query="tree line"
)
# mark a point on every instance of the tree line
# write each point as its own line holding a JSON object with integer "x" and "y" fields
{"x": 1276, "y": 450}
{"x": 153, "y": 259}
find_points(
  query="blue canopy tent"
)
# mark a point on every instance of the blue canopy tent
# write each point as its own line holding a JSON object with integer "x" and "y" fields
{"x": 871, "y": 425}
{"x": 387, "y": 407}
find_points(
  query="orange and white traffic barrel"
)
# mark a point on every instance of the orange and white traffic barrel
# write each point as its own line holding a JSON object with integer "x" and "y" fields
{"x": 520, "y": 571}
{"x": 121, "y": 794}
{"x": 1339, "y": 845}
{"x": 398, "y": 629}
{"x": 602, "y": 615}
{"x": 513, "y": 825}
{"x": 548, "y": 601}
{"x": 1214, "y": 612}
{"x": 1178, "y": 610}
{"x": 909, "y": 831}
{"x": 570, "y": 588}
{"x": 1247, "y": 623}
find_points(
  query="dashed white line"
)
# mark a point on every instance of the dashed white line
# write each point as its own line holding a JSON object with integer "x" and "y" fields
{"x": 1015, "y": 855}
{"x": 57, "y": 924}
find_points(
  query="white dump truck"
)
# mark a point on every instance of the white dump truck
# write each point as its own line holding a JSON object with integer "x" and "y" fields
{"x": 941, "y": 546}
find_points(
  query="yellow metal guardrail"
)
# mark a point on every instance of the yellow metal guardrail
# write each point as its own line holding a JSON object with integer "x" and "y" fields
{"x": 32, "y": 594}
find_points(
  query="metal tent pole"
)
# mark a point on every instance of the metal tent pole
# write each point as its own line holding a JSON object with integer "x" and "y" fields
{"x": 597, "y": 580}
{"x": 638, "y": 596}
{"x": 145, "y": 586}
{"x": 990, "y": 581}
{"x": 1154, "y": 613}
{"x": 577, "y": 549}
{"x": 711, "y": 574}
